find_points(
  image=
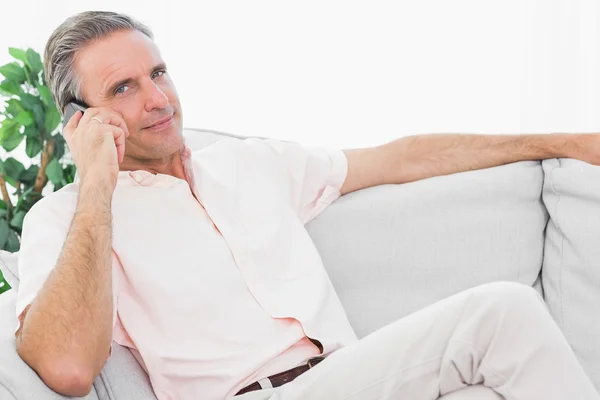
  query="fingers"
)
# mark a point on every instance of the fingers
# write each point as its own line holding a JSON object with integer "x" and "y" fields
{"x": 112, "y": 121}
{"x": 117, "y": 134}
{"x": 119, "y": 137}
{"x": 107, "y": 116}
{"x": 114, "y": 118}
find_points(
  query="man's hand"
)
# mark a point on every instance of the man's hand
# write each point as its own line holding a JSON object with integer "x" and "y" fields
{"x": 97, "y": 142}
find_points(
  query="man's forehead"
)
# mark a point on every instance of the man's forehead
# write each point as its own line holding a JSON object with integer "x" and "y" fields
{"x": 121, "y": 55}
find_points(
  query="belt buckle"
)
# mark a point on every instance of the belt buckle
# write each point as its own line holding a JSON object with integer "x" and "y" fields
{"x": 314, "y": 361}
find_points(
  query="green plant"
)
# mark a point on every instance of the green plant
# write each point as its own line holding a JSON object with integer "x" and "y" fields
{"x": 29, "y": 115}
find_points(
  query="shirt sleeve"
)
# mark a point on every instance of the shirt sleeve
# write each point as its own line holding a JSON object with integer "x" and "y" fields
{"x": 314, "y": 175}
{"x": 45, "y": 229}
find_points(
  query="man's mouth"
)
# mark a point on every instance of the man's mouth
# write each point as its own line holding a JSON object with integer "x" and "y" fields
{"x": 160, "y": 123}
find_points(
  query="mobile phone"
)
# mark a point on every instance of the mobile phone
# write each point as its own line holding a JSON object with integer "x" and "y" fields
{"x": 71, "y": 109}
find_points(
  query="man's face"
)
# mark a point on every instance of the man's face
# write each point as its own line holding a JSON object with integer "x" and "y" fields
{"x": 126, "y": 73}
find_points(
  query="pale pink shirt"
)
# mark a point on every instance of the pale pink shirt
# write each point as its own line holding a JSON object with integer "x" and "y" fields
{"x": 216, "y": 281}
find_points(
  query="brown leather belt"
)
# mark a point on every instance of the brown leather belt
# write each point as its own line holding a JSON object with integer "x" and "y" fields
{"x": 285, "y": 376}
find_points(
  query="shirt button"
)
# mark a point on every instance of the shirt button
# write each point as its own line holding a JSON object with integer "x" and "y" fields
{"x": 138, "y": 178}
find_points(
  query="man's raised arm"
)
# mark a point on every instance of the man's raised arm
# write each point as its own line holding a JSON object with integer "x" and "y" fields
{"x": 66, "y": 332}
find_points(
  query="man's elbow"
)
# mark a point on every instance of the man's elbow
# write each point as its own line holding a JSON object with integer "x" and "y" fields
{"x": 67, "y": 380}
{"x": 63, "y": 377}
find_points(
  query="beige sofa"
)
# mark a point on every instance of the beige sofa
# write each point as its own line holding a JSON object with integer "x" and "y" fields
{"x": 391, "y": 250}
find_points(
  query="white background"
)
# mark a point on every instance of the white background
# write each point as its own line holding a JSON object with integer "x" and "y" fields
{"x": 354, "y": 74}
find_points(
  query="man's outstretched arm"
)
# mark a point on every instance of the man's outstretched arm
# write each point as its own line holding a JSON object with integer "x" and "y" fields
{"x": 417, "y": 157}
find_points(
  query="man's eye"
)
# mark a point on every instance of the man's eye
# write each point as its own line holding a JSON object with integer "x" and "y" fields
{"x": 162, "y": 72}
{"x": 119, "y": 89}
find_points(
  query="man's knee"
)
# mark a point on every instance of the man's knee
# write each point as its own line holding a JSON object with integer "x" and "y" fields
{"x": 512, "y": 295}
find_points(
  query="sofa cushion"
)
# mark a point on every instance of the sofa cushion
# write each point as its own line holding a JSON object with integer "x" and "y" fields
{"x": 571, "y": 270}
{"x": 391, "y": 250}
{"x": 122, "y": 378}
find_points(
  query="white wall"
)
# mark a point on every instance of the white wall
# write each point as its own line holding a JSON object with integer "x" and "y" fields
{"x": 353, "y": 74}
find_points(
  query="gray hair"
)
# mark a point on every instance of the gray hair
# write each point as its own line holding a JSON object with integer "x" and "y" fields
{"x": 68, "y": 39}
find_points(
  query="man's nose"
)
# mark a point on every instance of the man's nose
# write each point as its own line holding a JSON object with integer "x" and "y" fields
{"x": 155, "y": 97}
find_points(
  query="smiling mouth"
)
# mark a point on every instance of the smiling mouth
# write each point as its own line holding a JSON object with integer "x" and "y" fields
{"x": 160, "y": 123}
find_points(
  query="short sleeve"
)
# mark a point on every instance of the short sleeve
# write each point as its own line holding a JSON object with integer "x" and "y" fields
{"x": 45, "y": 229}
{"x": 314, "y": 174}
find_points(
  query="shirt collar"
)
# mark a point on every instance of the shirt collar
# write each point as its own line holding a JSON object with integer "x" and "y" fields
{"x": 144, "y": 178}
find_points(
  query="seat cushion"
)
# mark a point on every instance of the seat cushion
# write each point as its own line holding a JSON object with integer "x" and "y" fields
{"x": 122, "y": 378}
{"x": 571, "y": 270}
{"x": 391, "y": 250}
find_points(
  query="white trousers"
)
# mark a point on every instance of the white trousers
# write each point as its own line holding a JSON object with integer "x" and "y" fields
{"x": 496, "y": 340}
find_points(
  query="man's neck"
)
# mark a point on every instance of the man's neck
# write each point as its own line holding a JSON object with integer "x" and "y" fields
{"x": 172, "y": 165}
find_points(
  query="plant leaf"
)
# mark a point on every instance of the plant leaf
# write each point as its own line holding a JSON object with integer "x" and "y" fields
{"x": 28, "y": 101}
{"x": 13, "y": 168}
{"x": 40, "y": 116}
{"x": 4, "y": 286}
{"x": 33, "y": 146}
{"x": 4, "y": 230}
{"x": 7, "y": 124}
{"x": 17, "y": 220}
{"x": 31, "y": 77}
{"x": 8, "y": 88}
{"x": 29, "y": 197}
{"x": 25, "y": 118}
{"x": 29, "y": 189}
{"x": 59, "y": 146}
{"x": 14, "y": 72}
{"x": 18, "y": 205}
{"x": 45, "y": 95}
{"x": 12, "y": 243}
{"x": 14, "y": 107}
{"x": 6, "y": 130}
{"x": 11, "y": 182}
{"x": 69, "y": 172}
{"x": 28, "y": 176}
{"x": 52, "y": 119}
{"x": 54, "y": 171}
{"x": 34, "y": 61}
{"x": 19, "y": 54}
{"x": 11, "y": 138}
{"x": 31, "y": 131}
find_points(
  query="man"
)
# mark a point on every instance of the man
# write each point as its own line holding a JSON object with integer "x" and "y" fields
{"x": 200, "y": 263}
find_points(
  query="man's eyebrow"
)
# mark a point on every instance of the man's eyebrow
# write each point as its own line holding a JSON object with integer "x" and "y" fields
{"x": 113, "y": 87}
